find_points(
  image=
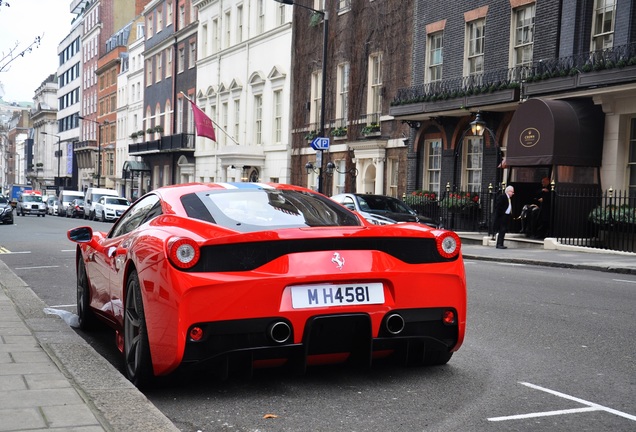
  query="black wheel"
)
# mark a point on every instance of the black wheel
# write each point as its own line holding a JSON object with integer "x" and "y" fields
{"x": 87, "y": 319}
{"x": 91, "y": 215}
{"x": 103, "y": 216}
{"x": 136, "y": 346}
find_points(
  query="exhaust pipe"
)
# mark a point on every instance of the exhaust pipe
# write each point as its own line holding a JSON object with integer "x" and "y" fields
{"x": 394, "y": 324}
{"x": 279, "y": 332}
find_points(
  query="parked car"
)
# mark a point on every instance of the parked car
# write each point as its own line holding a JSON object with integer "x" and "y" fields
{"x": 247, "y": 274}
{"x": 91, "y": 198}
{"x": 75, "y": 208}
{"x": 30, "y": 203}
{"x": 381, "y": 205}
{"x": 51, "y": 205}
{"x": 6, "y": 211}
{"x": 110, "y": 208}
{"x": 64, "y": 198}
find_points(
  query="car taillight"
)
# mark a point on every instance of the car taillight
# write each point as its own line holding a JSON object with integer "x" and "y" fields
{"x": 448, "y": 244}
{"x": 183, "y": 252}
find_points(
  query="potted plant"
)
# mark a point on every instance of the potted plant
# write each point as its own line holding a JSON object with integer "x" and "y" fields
{"x": 462, "y": 202}
{"x": 339, "y": 132}
{"x": 311, "y": 135}
{"x": 371, "y": 129}
{"x": 159, "y": 129}
{"x": 134, "y": 135}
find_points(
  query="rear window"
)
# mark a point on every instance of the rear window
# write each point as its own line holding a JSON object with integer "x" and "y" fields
{"x": 261, "y": 209}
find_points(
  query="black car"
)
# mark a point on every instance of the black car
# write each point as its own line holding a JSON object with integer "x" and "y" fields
{"x": 75, "y": 208}
{"x": 6, "y": 211}
{"x": 382, "y": 205}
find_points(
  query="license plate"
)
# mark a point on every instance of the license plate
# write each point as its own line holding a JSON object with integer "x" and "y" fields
{"x": 326, "y": 295}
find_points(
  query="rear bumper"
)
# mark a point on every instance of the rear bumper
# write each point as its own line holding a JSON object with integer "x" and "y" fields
{"x": 246, "y": 342}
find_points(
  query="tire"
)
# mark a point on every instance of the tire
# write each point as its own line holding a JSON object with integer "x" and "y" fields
{"x": 91, "y": 215}
{"x": 137, "y": 360}
{"x": 103, "y": 217}
{"x": 87, "y": 319}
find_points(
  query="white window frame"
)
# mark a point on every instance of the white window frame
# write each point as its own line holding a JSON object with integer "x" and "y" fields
{"x": 435, "y": 56}
{"x": 374, "y": 85}
{"x": 278, "y": 116}
{"x": 342, "y": 102}
{"x": 474, "y": 50}
{"x": 602, "y": 35}
{"x": 239, "y": 23}
{"x": 258, "y": 119}
{"x": 432, "y": 165}
{"x": 473, "y": 159}
{"x": 316, "y": 95}
{"x": 522, "y": 35}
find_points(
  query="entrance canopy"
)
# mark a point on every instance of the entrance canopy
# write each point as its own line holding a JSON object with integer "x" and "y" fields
{"x": 133, "y": 168}
{"x": 556, "y": 132}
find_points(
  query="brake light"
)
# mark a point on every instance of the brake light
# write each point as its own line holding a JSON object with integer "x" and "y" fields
{"x": 183, "y": 252}
{"x": 448, "y": 244}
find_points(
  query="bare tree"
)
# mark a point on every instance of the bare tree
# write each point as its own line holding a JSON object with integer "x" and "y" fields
{"x": 14, "y": 52}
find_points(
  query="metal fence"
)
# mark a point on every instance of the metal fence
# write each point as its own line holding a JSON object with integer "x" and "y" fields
{"x": 580, "y": 216}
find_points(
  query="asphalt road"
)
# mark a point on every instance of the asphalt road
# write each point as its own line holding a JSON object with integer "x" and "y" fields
{"x": 546, "y": 349}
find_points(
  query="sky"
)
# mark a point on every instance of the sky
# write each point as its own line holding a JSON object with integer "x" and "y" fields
{"x": 22, "y": 22}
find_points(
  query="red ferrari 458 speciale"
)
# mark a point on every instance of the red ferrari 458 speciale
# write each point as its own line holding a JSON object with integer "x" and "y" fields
{"x": 240, "y": 275}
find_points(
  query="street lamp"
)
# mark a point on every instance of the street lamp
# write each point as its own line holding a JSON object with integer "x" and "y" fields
{"x": 58, "y": 153}
{"x": 99, "y": 145}
{"x": 323, "y": 85}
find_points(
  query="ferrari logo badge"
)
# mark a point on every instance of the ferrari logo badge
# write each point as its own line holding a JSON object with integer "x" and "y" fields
{"x": 338, "y": 260}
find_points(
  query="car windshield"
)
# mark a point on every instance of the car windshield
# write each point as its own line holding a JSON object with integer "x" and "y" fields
{"x": 258, "y": 209}
{"x": 32, "y": 198}
{"x": 117, "y": 201}
{"x": 3, "y": 200}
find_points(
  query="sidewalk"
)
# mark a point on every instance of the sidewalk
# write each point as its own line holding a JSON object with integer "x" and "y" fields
{"x": 51, "y": 379}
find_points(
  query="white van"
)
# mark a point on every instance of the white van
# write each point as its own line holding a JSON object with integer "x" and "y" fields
{"x": 64, "y": 198}
{"x": 92, "y": 196}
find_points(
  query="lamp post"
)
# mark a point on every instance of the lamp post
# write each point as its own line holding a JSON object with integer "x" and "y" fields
{"x": 99, "y": 145}
{"x": 59, "y": 156}
{"x": 325, "y": 33}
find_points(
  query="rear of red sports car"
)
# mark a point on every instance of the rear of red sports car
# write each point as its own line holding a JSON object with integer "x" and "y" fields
{"x": 243, "y": 284}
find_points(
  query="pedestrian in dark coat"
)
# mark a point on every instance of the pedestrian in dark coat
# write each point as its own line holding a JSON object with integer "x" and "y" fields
{"x": 503, "y": 213}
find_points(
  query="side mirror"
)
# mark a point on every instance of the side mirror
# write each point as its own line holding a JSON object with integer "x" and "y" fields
{"x": 80, "y": 234}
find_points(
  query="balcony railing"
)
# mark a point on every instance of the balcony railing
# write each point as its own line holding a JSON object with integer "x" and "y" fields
{"x": 177, "y": 142}
{"x": 608, "y": 59}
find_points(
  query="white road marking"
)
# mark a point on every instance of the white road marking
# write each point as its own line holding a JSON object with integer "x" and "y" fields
{"x": 8, "y": 252}
{"x": 591, "y": 406}
{"x": 35, "y": 267}
{"x": 623, "y": 280}
{"x": 61, "y": 306}
{"x": 67, "y": 250}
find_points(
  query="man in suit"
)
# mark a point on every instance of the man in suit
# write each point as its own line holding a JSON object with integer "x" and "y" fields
{"x": 503, "y": 213}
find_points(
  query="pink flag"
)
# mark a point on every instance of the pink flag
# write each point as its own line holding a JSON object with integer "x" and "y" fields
{"x": 202, "y": 123}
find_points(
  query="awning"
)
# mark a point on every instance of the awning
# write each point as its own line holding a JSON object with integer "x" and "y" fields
{"x": 556, "y": 132}
{"x": 131, "y": 167}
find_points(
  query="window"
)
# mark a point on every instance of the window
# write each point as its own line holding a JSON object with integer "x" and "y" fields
{"x": 181, "y": 16}
{"x": 603, "y": 26}
{"x": 260, "y": 16}
{"x": 473, "y": 146}
{"x": 181, "y": 60}
{"x": 631, "y": 164}
{"x": 148, "y": 72}
{"x": 224, "y": 119}
{"x": 278, "y": 116}
{"x": 316, "y": 94}
{"x": 237, "y": 118}
{"x": 342, "y": 104}
{"x": 258, "y": 119}
{"x": 150, "y": 27}
{"x": 159, "y": 67}
{"x": 523, "y": 35}
{"x": 204, "y": 40}
{"x": 435, "y": 56}
{"x": 475, "y": 49}
{"x": 227, "y": 29}
{"x": 159, "y": 20}
{"x": 344, "y": 5}
{"x": 239, "y": 24}
{"x": 374, "y": 103}
{"x": 432, "y": 165}
{"x": 340, "y": 177}
{"x": 193, "y": 55}
{"x": 168, "y": 62}
{"x": 394, "y": 176}
{"x": 169, "y": 13}
{"x": 280, "y": 15}
{"x": 215, "y": 36}
{"x": 179, "y": 115}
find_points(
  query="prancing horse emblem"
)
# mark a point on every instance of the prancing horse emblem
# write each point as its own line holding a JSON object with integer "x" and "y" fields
{"x": 338, "y": 260}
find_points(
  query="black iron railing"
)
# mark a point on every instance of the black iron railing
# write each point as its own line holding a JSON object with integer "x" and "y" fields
{"x": 579, "y": 216}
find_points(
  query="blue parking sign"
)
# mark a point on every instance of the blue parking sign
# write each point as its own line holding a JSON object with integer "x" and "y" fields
{"x": 320, "y": 143}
